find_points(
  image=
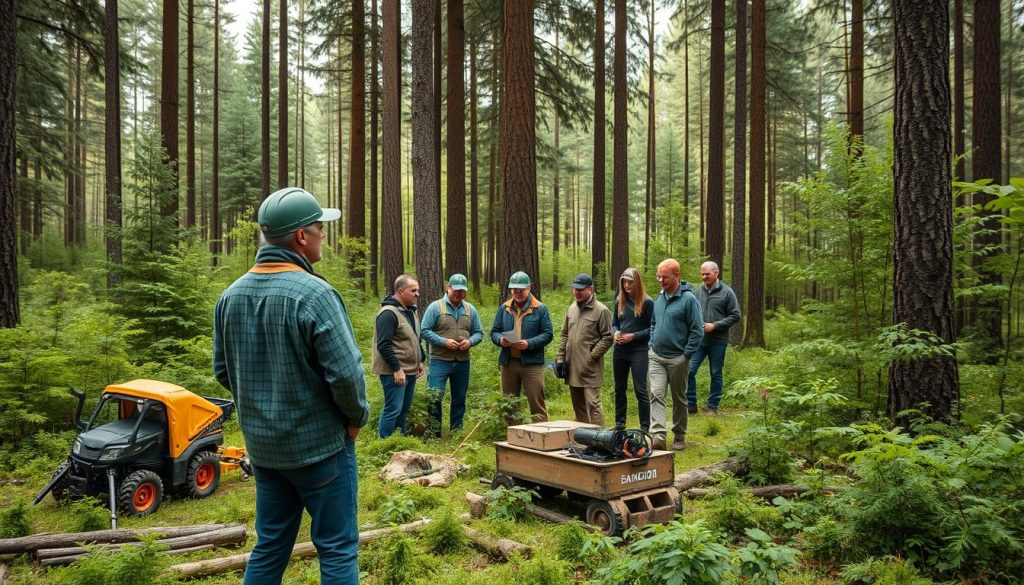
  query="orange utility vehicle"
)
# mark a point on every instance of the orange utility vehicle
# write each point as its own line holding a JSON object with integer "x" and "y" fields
{"x": 145, "y": 437}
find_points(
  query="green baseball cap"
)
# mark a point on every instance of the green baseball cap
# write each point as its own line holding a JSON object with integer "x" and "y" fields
{"x": 458, "y": 282}
{"x": 519, "y": 280}
{"x": 289, "y": 209}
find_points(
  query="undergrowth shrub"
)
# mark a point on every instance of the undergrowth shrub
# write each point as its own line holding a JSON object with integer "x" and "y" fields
{"x": 671, "y": 553}
{"x": 399, "y": 563}
{"x": 731, "y": 510}
{"x": 544, "y": 570}
{"x": 14, "y": 521}
{"x": 445, "y": 535}
{"x": 89, "y": 514}
{"x": 762, "y": 560}
{"x": 509, "y": 504}
{"x": 883, "y": 571}
{"x": 830, "y": 542}
{"x": 397, "y": 509}
{"x": 130, "y": 565}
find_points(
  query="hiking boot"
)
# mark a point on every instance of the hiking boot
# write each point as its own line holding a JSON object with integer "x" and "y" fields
{"x": 658, "y": 444}
{"x": 691, "y": 408}
{"x": 712, "y": 411}
{"x": 678, "y": 444}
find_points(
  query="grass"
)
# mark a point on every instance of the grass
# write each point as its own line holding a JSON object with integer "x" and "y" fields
{"x": 234, "y": 501}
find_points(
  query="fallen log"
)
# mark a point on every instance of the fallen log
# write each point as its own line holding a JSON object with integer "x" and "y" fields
{"x": 3, "y": 574}
{"x": 12, "y": 482}
{"x": 229, "y": 535}
{"x": 35, "y": 542}
{"x": 72, "y": 558}
{"x": 769, "y": 491}
{"x": 500, "y": 549}
{"x": 302, "y": 550}
{"x": 703, "y": 475}
{"x": 478, "y": 509}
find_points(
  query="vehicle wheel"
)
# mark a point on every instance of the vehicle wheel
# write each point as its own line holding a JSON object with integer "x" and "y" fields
{"x": 603, "y": 516}
{"x": 502, "y": 481}
{"x": 203, "y": 475}
{"x": 140, "y": 493}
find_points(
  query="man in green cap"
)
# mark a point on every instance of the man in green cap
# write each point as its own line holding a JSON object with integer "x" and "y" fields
{"x": 522, "y": 329}
{"x": 450, "y": 326}
{"x": 283, "y": 346}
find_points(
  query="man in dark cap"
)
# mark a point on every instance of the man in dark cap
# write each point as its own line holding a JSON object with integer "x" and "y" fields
{"x": 586, "y": 336}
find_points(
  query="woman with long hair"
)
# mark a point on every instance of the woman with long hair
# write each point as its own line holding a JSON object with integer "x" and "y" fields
{"x": 631, "y": 330}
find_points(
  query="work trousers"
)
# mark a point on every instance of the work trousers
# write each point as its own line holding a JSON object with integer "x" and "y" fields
{"x": 715, "y": 353}
{"x": 438, "y": 374}
{"x": 516, "y": 377}
{"x": 622, "y": 364}
{"x": 397, "y": 402}
{"x": 586, "y": 403}
{"x": 328, "y": 490}
{"x": 668, "y": 373}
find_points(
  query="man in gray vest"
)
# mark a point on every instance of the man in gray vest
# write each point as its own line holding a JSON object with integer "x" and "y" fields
{"x": 397, "y": 355}
{"x": 450, "y": 326}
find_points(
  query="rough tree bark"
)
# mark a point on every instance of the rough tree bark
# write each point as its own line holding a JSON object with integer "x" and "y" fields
{"x": 357, "y": 141}
{"x": 215, "y": 232}
{"x": 597, "y": 239}
{"x": 715, "y": 221}
{"x": 169, "y": 96}
{"x": 754, "y": 336}
{"x": 620, "y": 172}
{"x": 393, "y": 263}
{"x": 282, "y": 95}
{"x": 112, "y": 142}
{"x": 10, "y": 314}
{"x": 374, "y": 105}
{"x": 739, "y": 169}
{"x": 923, "y": 229}
{"x": 264, "y": 103}
{"x": 426, "y": 204}
{"x": 455, "y": 233}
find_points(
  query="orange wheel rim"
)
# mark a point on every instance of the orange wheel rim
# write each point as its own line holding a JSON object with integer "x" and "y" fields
{"x": 145, "y": 497}
{"x": 204, "y": 476}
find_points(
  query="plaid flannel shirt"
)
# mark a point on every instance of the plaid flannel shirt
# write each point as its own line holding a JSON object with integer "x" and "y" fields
{"x": 283, "y": 345}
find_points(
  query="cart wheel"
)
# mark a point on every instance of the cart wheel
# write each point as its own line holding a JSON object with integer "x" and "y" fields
{"x": 502, "y": 481}
{"x": 140, "y": 493}
{"x": 203, "y": 475}
{"x": 602, "y": 515}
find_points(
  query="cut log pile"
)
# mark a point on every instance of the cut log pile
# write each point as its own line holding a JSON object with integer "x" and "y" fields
{"x": 64, "y": 549}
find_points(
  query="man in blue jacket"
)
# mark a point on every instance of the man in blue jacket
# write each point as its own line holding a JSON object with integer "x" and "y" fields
{"x": 721, "y": 311}
{"x": 522, "y": 328}
{"x": 677, "y": 329}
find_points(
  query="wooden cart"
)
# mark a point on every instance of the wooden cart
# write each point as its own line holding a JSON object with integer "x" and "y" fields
{"x": 629, "y": 493}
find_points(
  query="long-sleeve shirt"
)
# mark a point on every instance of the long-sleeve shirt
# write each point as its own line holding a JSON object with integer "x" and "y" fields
{"x": 628, "y": 322}
{"x": 677, "y": 325}
{"x": 433, "y": 312}
{"x": 284, "y": 347}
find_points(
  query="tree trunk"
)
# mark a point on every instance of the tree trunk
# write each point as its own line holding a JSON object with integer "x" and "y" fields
{"x": 739, "y": 168}
{"x": 112, "y": 141}
{"x": 374, "y": 196}
{"x": 597, "y": 240}
{"x": 169, "y": 97}
{"x": 686, "y": 131}
{"x": 455, "y": 233}
{"x": 282, "y": 95}
{"x": 650, "y": 184}
{"x": 474, "y": 193}
{"x": 556, "y": 179}
{"x": 264, "y": 103}
{"x": 620, "y": 172}
{"x": 392, "y": 263}
{"x": 958, "y": 93}
{"x": 987, "y": 158}
{"x": 190, "y": 116}
{"x": 357, "y": 143}
{"x": 856, "y": 98}
{"x": 518, "y": 147}
{"x": 427, "y": 227}
{"x": 923, "y": 290}
{"x": 716, "y": 140}
{"x": 754, "y": 336}
{"x": 437, "y": 63}
{"x": 10, "y": 315}
{"x": 215, "y": 231}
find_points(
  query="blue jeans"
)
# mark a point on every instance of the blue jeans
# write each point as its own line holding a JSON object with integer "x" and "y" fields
{"x": 328, "y": 490}
{"x": 397, "y": 402}
{"x": 716, "y": 359}
{"x": 439, "y": 373}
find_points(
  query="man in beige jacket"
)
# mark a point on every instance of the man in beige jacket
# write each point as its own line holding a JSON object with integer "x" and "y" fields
{"x": 586, "y": 336}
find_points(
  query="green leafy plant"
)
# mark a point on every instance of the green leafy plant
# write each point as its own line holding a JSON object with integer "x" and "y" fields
{"x": 883, "y": 571}
{"x": 89, "y": 514}
{"x": 763, "y": 447}
{"x": 672, "y": 553}
{"x": 509, "y": 504}
{"x": 397, "y": 509}
{"x": 544, "y": 570}
{"x": 731, "y": 510}
{"x": 399, "y": 564}
{"x": 761, "y": 560}
{"x": 130, "y": 565}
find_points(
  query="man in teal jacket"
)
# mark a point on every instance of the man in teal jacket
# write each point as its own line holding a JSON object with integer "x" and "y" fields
{"x": 677, "y": 329}
{"x": 283, "y": 345}
{"x": 522, "y": 329}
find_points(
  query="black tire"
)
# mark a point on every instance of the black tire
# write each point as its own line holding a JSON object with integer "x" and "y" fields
{"x": 203, "y": 475}
{"x": 502, "y": 481}
{"x": 140, "y": 493}
{"x": 601, "y": 515}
